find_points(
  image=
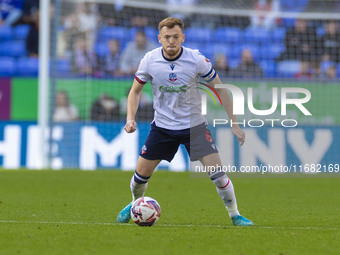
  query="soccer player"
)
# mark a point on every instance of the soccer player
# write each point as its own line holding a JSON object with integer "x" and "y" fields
{"x": 174, "y": 72}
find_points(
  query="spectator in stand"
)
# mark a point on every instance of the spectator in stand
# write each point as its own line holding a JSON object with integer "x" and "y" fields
{"x": 10, "y": 12}
{"x": 84, "y": 59}
{"x": 301, "y": 42}
{"x": 32, "y": 39}
{"x": 105, "y": 108}
{"x": 328, "y": 70}
{"x": 67, "y": 37}
{"x": 305, "y": 73}
{"x": 266, "y": 21}
{"x": 330, "y": 73}
{"x": 110, "y": 62}
{"x": 145, "y": 107}
{"x": 134, "y": 52}
{"x": 247, "y": 68}
{"x": 64, "y": 111}
{"x": 30, "y": 8}
{"x": 330, "y": 42}
{"x": 85, "y": 20}
{"x": 221, "y": 65}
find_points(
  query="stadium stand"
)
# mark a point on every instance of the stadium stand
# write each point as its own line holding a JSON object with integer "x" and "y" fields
{"x": 266, "y": 45}
{"x": 7, "y": 66}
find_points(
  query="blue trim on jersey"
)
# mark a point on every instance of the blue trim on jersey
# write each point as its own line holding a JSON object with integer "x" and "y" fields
{"x": 208, "y": 73}
{"x": 174, "y": 59}
{"x": 212, "y": 78}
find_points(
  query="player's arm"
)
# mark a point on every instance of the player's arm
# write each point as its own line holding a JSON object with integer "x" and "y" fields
{"x": 227, "y": 104}
{"x": 132, "y": 106}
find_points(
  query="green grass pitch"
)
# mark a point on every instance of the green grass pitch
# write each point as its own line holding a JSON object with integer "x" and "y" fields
{"x": 73, "y": 212}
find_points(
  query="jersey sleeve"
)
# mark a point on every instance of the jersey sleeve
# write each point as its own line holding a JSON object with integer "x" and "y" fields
{"x": 142, "y": 75}
{"x": 205, "y": 68}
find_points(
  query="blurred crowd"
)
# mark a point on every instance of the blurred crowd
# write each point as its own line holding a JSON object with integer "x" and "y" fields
{"x": 109, "y": 40}
{"x": 105, "y": 40}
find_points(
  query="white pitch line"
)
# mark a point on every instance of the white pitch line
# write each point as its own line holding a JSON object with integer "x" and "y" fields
{"x": 164, "y": 225}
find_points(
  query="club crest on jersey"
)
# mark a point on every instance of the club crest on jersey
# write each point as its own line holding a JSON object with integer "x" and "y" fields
{"x": 172, "y": 77}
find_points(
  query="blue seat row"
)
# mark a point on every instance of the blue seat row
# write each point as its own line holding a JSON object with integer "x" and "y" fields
{"x": 28, "y": 67}
{"x": 13, "y": 49}
{"x": 18, "y": 32}
{"x": 263, "y": 52}
{"x": 201, "y": 35}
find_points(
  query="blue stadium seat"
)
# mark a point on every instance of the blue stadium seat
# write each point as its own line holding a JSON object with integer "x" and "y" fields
{"x": 288, "y": 68}
{"x": 101, "y": 49}
{"x": 293, "y": 5}
{"x": 222, "y": 48}
{"x": 3, "y": 49}
{"x": 150, "y": 32}
{"x": 20, "y": 32}
{"x": 5, "y": 33}
{"x": 288, "y": 22}
{"x": 7, "y": 66}
{"x": 338, "y": 71}
{"x": 119, "y": 33}
{"x": 207, "y": 51}
{"x": 63, "y": 66}
{"x": 256, "y": 35}
{"x": 192, "y": 45}
{"x": 269, "y": 68}
{"x": 320, "y": 31}
{"x": 200, "y": 35}
{"x": 13, "y": 49}
{"x": 27, "y": 67}
{"x": 278, "y": 35}
{"x": 228, "y": 35}
{"x": 271, "y": 51}
{"x": 233, "y": 63}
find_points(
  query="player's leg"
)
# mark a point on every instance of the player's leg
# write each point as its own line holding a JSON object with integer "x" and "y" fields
{"x": 225, "y": 188}
{"x": 139, "y": 180}
{"x": 160, "y": 144}
{"x": 223, "y": 184}
{"x": 138, "y": 185}
{"x": 202, "y": 147}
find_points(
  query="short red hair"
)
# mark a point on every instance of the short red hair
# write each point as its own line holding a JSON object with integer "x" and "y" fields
{"x": 171, "y": 22}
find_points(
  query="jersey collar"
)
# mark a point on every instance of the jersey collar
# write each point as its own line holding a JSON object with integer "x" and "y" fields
{"x": 174, "y": 59}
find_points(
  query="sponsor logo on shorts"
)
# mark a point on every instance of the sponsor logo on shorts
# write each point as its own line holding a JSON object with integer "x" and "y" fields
{"x": 143, "y": 150}
{"x": 208, "y": 137}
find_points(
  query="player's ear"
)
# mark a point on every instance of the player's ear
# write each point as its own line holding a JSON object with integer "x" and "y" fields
{"x": 183, "y": 38}
{"x": 159, "y": 38}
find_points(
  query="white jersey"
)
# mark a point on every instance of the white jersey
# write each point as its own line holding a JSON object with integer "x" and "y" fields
{"x": 177, "y": 101}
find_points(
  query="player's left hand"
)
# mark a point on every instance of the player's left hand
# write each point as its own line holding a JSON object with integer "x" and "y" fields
{"x": 238, "y": 132}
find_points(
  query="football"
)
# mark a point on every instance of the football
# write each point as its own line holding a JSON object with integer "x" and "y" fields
{"x": 145, "y": 211}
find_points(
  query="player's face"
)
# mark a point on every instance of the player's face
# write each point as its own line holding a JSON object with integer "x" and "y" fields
{"x": 171, "y": 40}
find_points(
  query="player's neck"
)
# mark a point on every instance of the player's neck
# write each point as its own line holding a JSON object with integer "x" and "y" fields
{"x": 174, "y": 57}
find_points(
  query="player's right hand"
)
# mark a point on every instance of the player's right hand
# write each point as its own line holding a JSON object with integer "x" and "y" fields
{"x": 130, "y": 126}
